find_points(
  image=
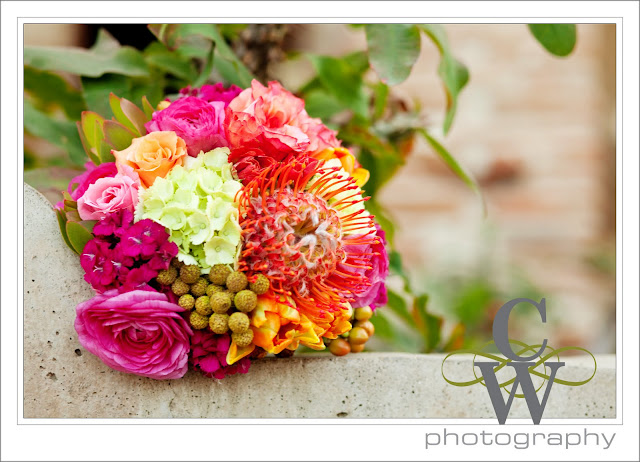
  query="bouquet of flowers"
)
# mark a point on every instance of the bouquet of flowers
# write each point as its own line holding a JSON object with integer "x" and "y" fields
{"x": 218, "y": 227}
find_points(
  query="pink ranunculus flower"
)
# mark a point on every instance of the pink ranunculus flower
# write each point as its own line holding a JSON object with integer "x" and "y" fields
{"x": 110, "y": 194}
{"x": 275, "y": 120}
{"x": 138, "y": 332}
{"x": 375, "y": 293}
{"x": 211, "y": 93}
{"x": 197, "y": 122}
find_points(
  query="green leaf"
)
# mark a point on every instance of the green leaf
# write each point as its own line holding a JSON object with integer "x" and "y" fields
{"x": 104, "y": 150}
{"x": 92, "y": 127}
{"x": 207, "y": 69}
{"x": 377, "y": 155}
{"x": 130, "y": 115}
{"x": 195, "y": 40}
{"x": 429, "y": 324}
{"x": 172, "y": 63}
{"x": 114, "y": 103}
{"x": 117, "y": 135}
{"x": 92, "y": 152}
{"x": 398, "y": 305}
{"x": 393, "y": 50}
{"x": 557, "y": 39}
{"x": 381, "y": 97}
{"x": 456, "y": 338}
{"x": 344, "y": 80}
{"x": 320, "y": 103}
{"x": 49, "y": 90}
{"x": 189, "y": 40}
{"x": 62, "y": 223}
{"x": 135, "y": 115}
{"x": 396, "y": 266}
{"x": 90, "y": 63}
{"x": 455, "y": 167}
{"x": 453, "y": 73}
{"x": 79, "y": 233}
{"x": 105, "y": 43}
{"x": 227, "y": 63}
{"x": 61, "y": 133}
{"x": 147, "y": 108}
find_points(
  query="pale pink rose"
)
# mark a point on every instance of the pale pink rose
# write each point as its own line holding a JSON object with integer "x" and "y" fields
{"x": 108, "y": 195}
{"x": 274, "y": 120}
{"x": 138, "y": 332}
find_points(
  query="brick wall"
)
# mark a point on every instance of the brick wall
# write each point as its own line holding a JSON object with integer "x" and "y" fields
{"x": 537, "y": 131}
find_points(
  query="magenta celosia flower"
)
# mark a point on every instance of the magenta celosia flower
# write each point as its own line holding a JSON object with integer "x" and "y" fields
{"x": 79, "y": 184}
{"x": 375, "y": 294}
{"x": 124, "y": 254}
{"x": 209, "y": 355}
{"x": 212, "y": 93}
{"x": 139, "y": 332}
{"x": 197, "y": 122}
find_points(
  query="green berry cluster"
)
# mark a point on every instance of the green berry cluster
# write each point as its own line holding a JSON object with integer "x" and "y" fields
{"x": 221, "y": 301}
{"x": 354, "y": 340}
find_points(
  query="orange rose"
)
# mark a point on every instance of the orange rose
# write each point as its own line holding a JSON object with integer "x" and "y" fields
{"x": 152, "y": 155}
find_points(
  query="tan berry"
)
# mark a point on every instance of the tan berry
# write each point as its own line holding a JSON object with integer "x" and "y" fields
{"x": 199, "y": 287}
{"x": 187, "y": 301}
{"x": 236, "y": 281}
{"x": 243, "y": 339}
{"x": 366, "y": 325}
{"x": 357, "y": 348}
{"x": 203, "y": 306}
{"x": 189, "y": 273}
{"x": 219, "y": 274}
{"x": 212, "y": 289}
{"x": 167, "y": 277}
{"x": 220, "y": 302}
{"x": 364, "y": 313}
{"x": 219, "y": 323}
{"x": 238, "y": 322}
{"x": 339, "y": 347}
{"x": 245, "y": 300}
{"x": 179, "y": 288}
{"x": 358, "y": 336}
{"x": 260, "y": 285}
{"x": 198, "y": 321}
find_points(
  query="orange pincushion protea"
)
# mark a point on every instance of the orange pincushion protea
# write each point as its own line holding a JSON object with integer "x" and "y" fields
{"x": 300, "y": 224}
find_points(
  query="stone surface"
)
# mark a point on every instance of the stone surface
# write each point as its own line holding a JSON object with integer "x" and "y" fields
{"x": 61, "y": 379}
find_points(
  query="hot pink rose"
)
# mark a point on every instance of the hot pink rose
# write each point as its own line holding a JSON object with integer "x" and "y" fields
{"x": 139, "y": 332}
{"x": 197, "y": 122}
{"x": 275, "y": 120}
{"x": 110, "y": 194}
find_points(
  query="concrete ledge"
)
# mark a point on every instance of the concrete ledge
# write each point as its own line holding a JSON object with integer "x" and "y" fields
{"x": 63, "y": 380}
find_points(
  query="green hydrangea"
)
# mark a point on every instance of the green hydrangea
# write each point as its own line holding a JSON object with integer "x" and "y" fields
{"x": 196, "y": 203}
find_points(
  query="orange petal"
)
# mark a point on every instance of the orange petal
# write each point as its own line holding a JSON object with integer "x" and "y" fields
{"x": 361, "y": 175}
{"x": 236, "y": 353}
